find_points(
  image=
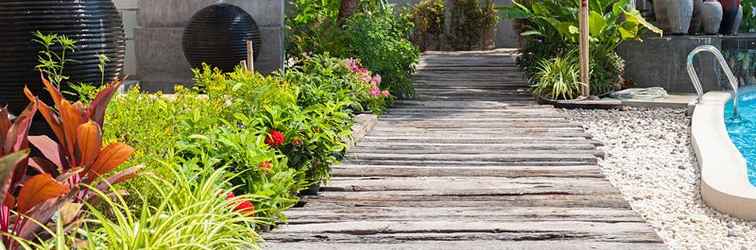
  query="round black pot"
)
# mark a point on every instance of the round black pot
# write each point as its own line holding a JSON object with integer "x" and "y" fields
{"x": 218, "y": 35}
{"x": 96, "y": 25}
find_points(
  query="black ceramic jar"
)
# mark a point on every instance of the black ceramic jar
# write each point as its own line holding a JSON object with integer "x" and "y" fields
{"x": 96, "y": 25}
{"x": 218, "y": 35}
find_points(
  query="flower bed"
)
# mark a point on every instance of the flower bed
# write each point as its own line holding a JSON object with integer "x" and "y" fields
{"x": 232, "y": 152}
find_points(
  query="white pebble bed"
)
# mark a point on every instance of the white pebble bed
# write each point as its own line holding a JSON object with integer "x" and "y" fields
{"x": 650, "y": 159}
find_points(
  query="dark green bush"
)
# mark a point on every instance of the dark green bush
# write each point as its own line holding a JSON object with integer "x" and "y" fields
{"x": 379, "y": 39}
{"x": 375, "y": 34}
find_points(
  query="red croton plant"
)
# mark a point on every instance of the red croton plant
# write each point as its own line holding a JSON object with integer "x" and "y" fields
{"x": 62, "y": 175}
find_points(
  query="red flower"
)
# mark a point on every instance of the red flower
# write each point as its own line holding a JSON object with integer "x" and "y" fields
{"x": 275, "y": 138}
{"x": 244, "y": 207}
{"x": 265, "y": 166}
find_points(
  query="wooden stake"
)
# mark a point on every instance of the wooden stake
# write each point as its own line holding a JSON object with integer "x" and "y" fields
{"x": 250, "y": 56}
{"x": 584, "y": 49}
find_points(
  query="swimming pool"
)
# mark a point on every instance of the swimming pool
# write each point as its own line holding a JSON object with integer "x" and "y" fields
{"x": 742, "y": 130}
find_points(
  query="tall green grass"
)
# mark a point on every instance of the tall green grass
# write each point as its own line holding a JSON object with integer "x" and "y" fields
{"x": 193, "y": 214}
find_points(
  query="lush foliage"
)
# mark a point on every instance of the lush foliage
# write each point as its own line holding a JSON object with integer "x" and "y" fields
{"x": 271, "y": 137}
{"x": 749, "y": 19}
{"x": 471, "y": 26}
{"x": 378, "y": 39}
{"x": 65, "y": 172}
{"x": 558, "y": 78}
{"x": 195, "y": 210}
{"x": 375, "y": 34}
{"x": 551, "y": 29}
{"x": 428, "y": 17}
{"x": 265, "y": 138}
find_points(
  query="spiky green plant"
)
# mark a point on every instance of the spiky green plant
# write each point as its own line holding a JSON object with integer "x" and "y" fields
{"x": 557, "y": 78}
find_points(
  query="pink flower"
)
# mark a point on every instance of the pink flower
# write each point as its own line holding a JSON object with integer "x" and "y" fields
{"x": 375, "y": 91}
{"x": 376, "y": 80}
{"x": 366, "y": 78}
{"x": 385, "y": 93}
{"x": 352, "y": 64}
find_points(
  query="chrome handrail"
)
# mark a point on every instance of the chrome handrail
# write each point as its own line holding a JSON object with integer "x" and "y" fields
{"x": 725, "y": 67}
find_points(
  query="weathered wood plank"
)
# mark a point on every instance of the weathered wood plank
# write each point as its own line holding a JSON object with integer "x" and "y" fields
{"x": 471, "y": 163}
{"x": 523, "y": 214}
{"x": 417, "y": 243}
{"x": 349, "y": 170}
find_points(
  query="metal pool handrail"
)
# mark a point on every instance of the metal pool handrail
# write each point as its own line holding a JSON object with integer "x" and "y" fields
{"x": 725, "y": 67}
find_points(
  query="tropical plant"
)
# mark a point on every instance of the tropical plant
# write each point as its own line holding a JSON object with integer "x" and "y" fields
{"x": 22, "y": 198}
{"x": 379, "y": 38}
{"x": 551, "y": 30}
{"x": 558, "y": 78}
{"x": 196, "y": 210}
{"x": 78, "y": 160}
{"x": 79, "y": 153}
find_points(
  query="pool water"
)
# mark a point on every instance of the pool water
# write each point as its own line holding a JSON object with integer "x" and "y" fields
{"x": 742, "y": 129}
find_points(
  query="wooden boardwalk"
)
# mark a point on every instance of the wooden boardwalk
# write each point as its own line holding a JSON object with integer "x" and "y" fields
{"x": 471, "y": 163}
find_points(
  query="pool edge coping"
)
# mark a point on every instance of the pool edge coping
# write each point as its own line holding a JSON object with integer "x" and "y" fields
{"x": 724, "y": 175}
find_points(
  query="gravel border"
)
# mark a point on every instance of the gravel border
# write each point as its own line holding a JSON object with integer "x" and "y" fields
{"x": 650, "y": 159}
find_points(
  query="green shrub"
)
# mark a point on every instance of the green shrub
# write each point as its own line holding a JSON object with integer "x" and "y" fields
{"x": 472, "y": 26}
{"x": 312, "y": 28}
{"x": 254, "y": 167}
{"x": 379, "y": 39}
{"x": 319, "y": 120}
{"x": 749, "y": 19}
{"x": 375, "y": 34}
{"x": 428, "y": 17}
{"x": 558, "y": 78}
{"x": 551, "y": 29}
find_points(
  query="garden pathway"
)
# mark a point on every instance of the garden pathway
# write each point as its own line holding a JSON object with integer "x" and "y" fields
{"x": 470, "y": 163}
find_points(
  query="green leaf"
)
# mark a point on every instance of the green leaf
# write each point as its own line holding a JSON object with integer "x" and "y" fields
{"x": 596, "y": 23}
{"x": 531, "y": 33}
{"x": 634, "y": 17}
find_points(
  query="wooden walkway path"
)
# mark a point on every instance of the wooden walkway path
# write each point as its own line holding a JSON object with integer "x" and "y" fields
{"x": 471, "y": 163}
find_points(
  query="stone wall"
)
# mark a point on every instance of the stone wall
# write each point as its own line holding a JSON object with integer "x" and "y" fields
{"x": 128, "y": 9}
{"x": 158, "y": 38}
{"x": 662, "y": 62}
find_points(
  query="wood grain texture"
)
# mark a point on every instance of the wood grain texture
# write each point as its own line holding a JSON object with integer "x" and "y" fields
{"x": 471, "y": 163}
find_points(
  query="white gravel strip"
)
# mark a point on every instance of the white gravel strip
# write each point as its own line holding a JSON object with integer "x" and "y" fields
{"x": 650, "y": 159}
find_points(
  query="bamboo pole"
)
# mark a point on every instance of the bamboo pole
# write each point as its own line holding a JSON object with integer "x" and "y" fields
{"x": 250, "y": 56}
{"x": 584, "y": 50}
